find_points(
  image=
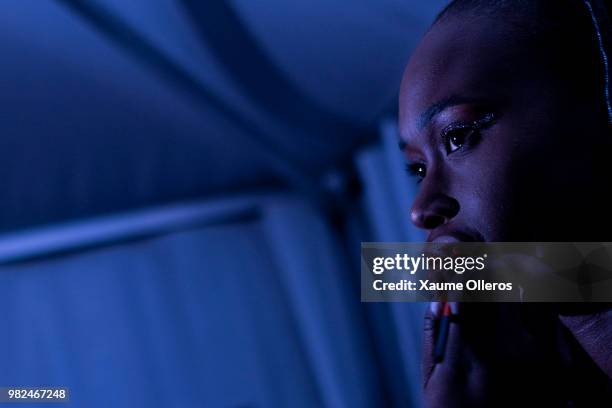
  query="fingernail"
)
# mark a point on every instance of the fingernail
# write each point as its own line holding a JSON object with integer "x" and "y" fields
{"x": 454, "y": 306}
{"x": 436, "y": 308}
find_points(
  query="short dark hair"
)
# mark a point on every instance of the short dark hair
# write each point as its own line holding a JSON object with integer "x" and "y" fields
{"x": 491, "y": 7}
{"x": 562, "y": 29}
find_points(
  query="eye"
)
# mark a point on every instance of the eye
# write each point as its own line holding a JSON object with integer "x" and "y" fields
{"x": 458, "y": 135}
{"x": 418, "y": 170}
{"x": 456, "y": 138}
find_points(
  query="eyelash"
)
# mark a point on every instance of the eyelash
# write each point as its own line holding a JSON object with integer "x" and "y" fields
{"x": 473, "y": 127}
{"x": 413, "y": 169}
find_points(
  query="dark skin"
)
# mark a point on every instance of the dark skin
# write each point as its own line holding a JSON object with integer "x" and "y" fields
{"x": 504, "y": 151}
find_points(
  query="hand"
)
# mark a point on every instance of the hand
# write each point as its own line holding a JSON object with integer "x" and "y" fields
{"x": 493, "y": 357}
{"x": 454, "y": 382}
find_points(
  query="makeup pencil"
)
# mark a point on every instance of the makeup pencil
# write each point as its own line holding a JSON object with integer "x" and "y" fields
{"x": 440, "y": 345}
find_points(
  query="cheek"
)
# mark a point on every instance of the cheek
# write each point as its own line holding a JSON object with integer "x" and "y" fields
{"x": 489, "y": 188}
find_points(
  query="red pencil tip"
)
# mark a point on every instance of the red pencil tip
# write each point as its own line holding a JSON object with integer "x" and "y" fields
{"x": 447, "y": 309}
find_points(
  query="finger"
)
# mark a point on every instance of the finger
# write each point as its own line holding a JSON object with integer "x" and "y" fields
{"x": 429, "y": 335}
{"x": 436, "y": 309}
{"x": 453, "y": 350}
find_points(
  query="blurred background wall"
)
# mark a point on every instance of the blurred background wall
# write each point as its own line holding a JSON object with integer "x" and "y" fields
{"x": 185, "y": 185}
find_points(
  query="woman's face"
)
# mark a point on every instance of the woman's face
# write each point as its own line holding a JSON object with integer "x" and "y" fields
{"x": 502, "y": 149}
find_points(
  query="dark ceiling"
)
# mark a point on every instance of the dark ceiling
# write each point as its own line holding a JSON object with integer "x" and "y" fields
{"x": 115, "y": 104}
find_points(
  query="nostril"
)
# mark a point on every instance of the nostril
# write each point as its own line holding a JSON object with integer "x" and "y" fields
{"x": 432, "y": 210}
{"x": 433, "y": 221}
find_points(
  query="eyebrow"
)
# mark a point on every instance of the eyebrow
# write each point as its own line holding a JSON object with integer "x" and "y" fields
{"x": 436, "y": 108}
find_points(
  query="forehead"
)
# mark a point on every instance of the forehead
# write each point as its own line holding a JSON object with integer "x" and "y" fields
{"x": 460, "y": 57}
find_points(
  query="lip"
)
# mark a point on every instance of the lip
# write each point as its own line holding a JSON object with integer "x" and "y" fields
{"x": 450, "y": 235}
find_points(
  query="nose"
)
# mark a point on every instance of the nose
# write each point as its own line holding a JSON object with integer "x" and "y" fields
{"x": 432, "y": 209}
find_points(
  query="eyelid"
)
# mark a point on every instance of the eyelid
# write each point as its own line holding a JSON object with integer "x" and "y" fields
{"x": 411, "y": 169}
{"x": 475, "y": 125}
{"x": 456, "y": 126}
